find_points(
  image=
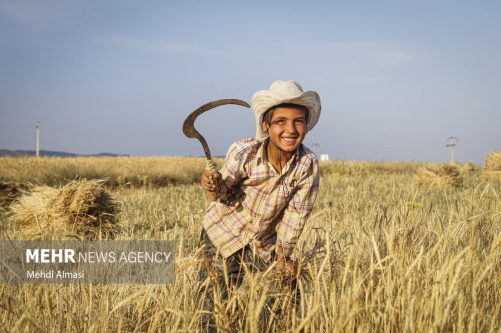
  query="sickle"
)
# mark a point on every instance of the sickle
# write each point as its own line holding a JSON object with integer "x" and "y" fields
{"x": 190, "y": 131}
{"x": 189, "y": 124}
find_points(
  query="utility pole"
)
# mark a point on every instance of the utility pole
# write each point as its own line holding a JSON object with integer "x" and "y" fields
{"x": 38, "y": 139}
{"x": 451, "y": 142}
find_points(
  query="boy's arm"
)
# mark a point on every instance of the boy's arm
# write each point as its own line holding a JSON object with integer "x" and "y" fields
{"x": 297, "y": 211}
{"x": 231, "y": 173}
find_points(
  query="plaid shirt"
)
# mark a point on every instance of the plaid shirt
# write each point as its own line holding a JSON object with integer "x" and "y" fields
{"x": 259, "y": 205}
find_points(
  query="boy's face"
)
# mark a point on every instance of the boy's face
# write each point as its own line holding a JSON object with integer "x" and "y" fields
{"x": 287, "y": 128}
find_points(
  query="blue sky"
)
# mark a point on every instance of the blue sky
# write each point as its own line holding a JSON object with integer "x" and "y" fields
{"x": 396, "y": 78}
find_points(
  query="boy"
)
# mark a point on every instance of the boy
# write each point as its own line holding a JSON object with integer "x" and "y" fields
{"x": 266, "y": 190}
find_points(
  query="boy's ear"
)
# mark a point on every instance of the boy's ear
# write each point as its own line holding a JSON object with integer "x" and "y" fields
{"x": 264, "y": 126}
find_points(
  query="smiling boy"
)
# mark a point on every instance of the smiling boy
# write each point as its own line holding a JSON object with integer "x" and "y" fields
{"x": 266, "y": 190}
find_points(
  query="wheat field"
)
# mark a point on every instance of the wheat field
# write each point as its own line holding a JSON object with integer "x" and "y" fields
{"x": 379, "y": 254}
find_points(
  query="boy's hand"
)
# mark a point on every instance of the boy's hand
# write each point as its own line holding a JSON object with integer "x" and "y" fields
{"x": 288, "y": 266}
{"x": 211, "y": 182}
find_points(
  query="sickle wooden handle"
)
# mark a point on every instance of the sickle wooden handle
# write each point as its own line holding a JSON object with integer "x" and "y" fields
{"x": 211, "y": 167}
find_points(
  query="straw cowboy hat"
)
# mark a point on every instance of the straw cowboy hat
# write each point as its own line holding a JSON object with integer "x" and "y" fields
{"x": 284, "y": 92}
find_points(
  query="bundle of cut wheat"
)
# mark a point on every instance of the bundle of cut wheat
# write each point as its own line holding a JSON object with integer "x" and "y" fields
{"x": 467, "y": 167}
{"x": 80, "y": 209}
{"x": 445, "y": 175}
{"x": 492, "y": 167}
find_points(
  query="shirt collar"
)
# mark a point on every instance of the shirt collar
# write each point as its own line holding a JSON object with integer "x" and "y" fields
{"x": 261, "y": 153}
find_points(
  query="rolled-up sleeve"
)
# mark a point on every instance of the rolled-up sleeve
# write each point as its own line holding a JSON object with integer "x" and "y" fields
{"x": 297, "y": 211}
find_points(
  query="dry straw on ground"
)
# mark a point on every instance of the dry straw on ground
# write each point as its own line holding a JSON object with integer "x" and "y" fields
{"x": 492, "y": 168}
{"x": 445, "y": 175}
{"x": 396, "y": 259}
{"x": 81, "y": 209}
{"x": 9, "y": 192}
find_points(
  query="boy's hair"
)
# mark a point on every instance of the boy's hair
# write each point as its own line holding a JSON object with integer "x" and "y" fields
{"x": 268, "y": 115}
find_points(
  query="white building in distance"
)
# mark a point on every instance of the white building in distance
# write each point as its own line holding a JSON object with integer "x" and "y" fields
{"x": 324, "y": 157}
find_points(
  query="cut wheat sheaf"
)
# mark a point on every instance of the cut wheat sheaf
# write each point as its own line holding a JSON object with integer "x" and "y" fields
{"x": 81, "y": 209}
{"x": 445, "y": 175}
{"x": 492, "y": 167}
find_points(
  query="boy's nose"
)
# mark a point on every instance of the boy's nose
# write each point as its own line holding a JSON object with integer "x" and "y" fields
{"x": 291, "y": 128}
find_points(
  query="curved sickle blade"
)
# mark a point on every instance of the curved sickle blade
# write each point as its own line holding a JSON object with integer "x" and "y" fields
{"x": 189, "y": 124}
